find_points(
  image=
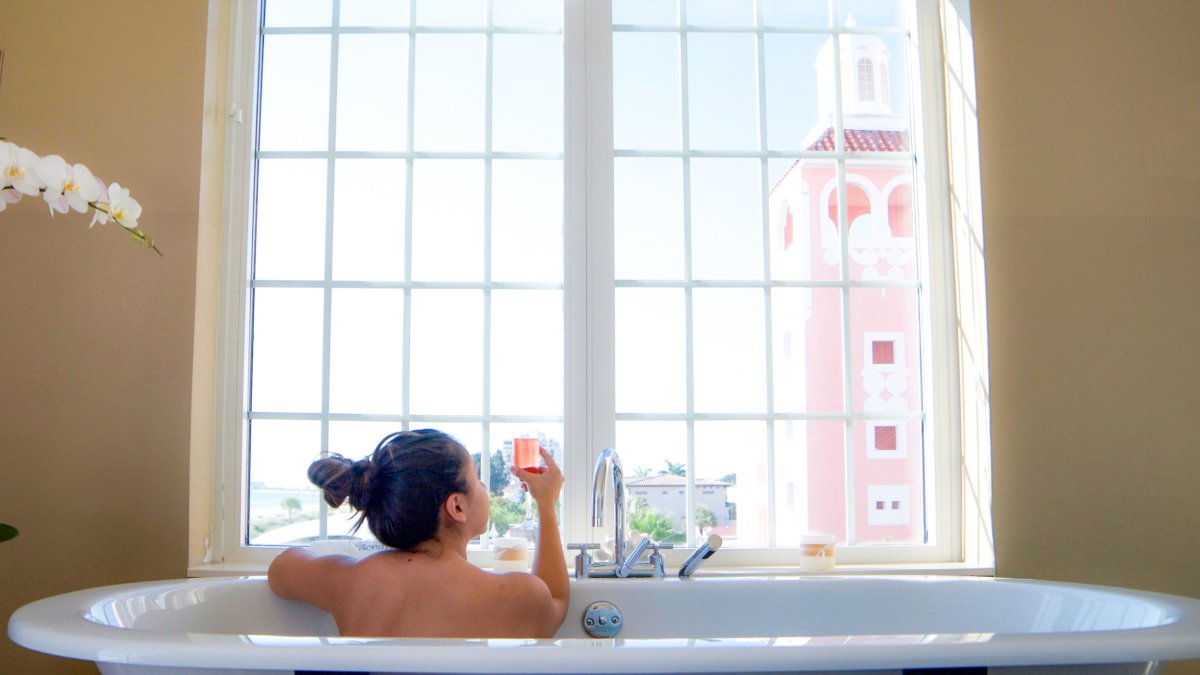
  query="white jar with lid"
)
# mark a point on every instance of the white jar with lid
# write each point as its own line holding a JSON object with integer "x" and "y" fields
{"x": 817, "y": 552}
{"x": 510, "y": 554}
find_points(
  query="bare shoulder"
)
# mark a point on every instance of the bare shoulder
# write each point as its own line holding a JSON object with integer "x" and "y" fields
{"x": 525, "y": 595}
{"x": 297, "y": 574}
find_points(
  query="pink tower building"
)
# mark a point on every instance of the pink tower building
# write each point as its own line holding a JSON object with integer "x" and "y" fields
{"x": 865, "y": 337}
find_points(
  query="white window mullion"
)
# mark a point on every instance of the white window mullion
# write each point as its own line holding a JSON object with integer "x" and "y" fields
{"x": 485, "y": 455}
{"x": 843, "y": 225}
{"x": 688, "y": 300}
{"x": 410, "y": 165}
{"x": 765, "y": 204}
{"x": 327, "y": 290}
{"x": 591, "y": 357}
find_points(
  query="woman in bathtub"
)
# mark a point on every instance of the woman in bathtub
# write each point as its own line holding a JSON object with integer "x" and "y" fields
{"x": 420, "y": 494}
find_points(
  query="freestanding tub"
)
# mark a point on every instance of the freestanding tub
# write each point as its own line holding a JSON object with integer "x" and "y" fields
{"x": 228, "y": 626}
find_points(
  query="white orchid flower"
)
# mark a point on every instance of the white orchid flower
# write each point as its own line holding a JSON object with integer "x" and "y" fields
{"x": 17, "y": 169}
{"x": 68, "y": 186}
{"x": 8, "y": 197}
{"x": 123, "y": 208}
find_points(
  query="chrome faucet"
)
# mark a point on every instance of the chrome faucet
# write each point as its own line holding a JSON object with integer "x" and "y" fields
{"x": 609, "y": 472}
{"x": 609, "y": 464}
{"x": 703, "y": 552}
{"x": 623, "y": 565}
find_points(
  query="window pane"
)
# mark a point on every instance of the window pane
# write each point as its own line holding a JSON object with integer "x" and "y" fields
{"x": 889, "y": 317}
{"x": 804, "y": 214}
{"x": 368, "y": 219}
{"x": 731, "y": 464}
{"x": 648, "y": 209}
{"x": 374, "y": 12}
{"x": 793, "y": 13}
{"x": 447, "y": 237}
{"x": 294, "y": 102}
{"x": 358, "y": 439}
{"x": 882, "y": 240}
{"x": 297, "y": 13}
{"x": 527, "y": 220}
{"x": 509, "y": 499}
{"x": 720, "y": 12}
{"x": 646, "y": 91}
{"x": 283, "y": 504}
{"x": 527, "y": 352}
{"x": 449, "y": 92}
{"x": 652, "y": 12}
{"x": 870, "y": 13}
{"x": 729, "y": 348}
{"x": 450, "y": 12}
{"x": 528, "y": 13}
{"x": 289, "y": 233}
{"x": 810, "y": 479}
{"x": 651, "y": 367}
{"x": 654, "y": 457}
{"x": 791, "y": 91}
{"x": 727, "y": 226}
{"x": 366, "y": 363}
{"x": 808, "y": 346}
{"x": 447, "y": 352}
{"x": 372, "y": 92}
{"x": 286, "y": 350}
{"x": 889, "y": 490}
{"x": 527, "y": 83}
{"x": 722, "y": 91}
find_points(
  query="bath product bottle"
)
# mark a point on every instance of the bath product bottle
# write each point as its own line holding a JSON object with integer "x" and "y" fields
{"x": 510, "y": 554}
{"x": 817, "y": 552}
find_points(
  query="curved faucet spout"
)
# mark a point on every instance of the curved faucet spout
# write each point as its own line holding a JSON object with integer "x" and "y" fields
{"x": 608, "y": 468}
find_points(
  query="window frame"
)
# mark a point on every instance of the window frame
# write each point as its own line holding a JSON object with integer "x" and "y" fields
{"x": 589, "y": 282}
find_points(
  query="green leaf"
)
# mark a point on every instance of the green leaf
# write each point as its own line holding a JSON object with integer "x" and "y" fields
{"x": 7, "y": 532}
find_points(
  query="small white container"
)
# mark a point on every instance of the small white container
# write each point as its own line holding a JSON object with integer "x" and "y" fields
{"x": 817, "y": 552}
{"x": 510, "y": 554}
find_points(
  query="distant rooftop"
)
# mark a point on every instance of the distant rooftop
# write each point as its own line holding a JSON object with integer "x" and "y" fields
{"x": 671, "y": 480}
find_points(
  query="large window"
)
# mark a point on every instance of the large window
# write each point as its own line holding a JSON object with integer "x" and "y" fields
{"x": 688, "y": 229}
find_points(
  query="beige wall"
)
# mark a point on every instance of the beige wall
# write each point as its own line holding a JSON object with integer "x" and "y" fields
{"x": 1090, "y": 140}
{"x": 1089, "y": 121}
{"x": 96, "y": 332}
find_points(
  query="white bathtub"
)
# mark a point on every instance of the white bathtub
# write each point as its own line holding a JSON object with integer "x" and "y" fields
{"x": 228, "y": 626}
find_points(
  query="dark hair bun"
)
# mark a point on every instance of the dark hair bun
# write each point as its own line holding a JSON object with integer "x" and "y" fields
{"x": 333, "y": 474}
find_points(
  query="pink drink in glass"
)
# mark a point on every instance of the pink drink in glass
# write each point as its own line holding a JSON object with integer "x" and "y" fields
{"x": 526, "y": 454}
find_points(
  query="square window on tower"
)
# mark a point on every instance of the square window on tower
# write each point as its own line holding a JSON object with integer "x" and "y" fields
{"x": 886, "y": 439}
{"x": 883, "y": 352}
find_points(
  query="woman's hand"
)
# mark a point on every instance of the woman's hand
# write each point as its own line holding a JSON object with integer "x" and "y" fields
{"x": 543, "y": 482}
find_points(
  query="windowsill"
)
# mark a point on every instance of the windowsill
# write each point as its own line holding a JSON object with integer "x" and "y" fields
{"x": 916, "y": 569}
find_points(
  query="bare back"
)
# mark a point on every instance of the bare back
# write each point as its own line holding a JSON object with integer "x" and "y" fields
{"x": 398, "y": 594}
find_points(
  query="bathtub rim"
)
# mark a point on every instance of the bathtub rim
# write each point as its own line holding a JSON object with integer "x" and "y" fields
{"x": 41, "y": 626}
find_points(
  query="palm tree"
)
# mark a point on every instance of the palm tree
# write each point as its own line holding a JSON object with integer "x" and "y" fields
{"x": 291, "y": 505}
{"x": 705, "y": 520}
{"x": 676, "y": 468}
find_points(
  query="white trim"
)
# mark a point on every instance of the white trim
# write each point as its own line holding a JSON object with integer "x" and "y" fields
{"x": 233, "y": 294}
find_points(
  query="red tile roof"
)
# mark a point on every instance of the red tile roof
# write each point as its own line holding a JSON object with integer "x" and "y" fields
{"x": 857, "y": 140}
{"x": 864, "y": 140}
